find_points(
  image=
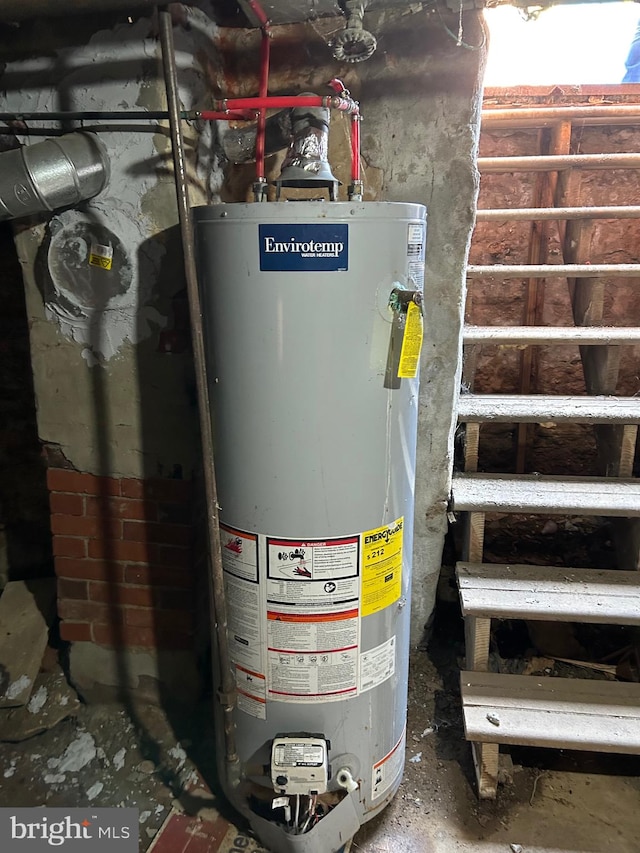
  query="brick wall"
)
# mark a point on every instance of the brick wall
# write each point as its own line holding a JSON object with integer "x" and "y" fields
{"x": 123, "y": 552}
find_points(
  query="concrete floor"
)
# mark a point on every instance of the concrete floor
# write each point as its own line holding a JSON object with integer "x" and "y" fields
{"x": 142, "y": 757}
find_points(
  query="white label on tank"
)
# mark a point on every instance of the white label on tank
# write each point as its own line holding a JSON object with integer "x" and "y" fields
{"x": 312, "y": 656}
{"x": 415, "y": 254}
{"x": 252, "y": 691}
{"x": 386, "y": 771}
{"x": 377, "y": 665}
{"x": 244, "y": 607}
{"x": 322, "y": 575}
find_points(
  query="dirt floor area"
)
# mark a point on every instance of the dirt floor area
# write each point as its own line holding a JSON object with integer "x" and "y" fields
{"x": 161, "y": 762}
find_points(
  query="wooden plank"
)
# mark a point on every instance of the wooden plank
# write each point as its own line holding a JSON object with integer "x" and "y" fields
{"x": 557, "y": 163}
{"x": 554, "y": 270}
{"x": 554, "y": 712}
{"x": 539, "y": 408}
{"x": 473, "y": 545}
{"x": 477, "y": 636}
{"x": 486, "y": 759}
{"x": 26, "y": 610}
{"x": 549, "y": 593}
{"x": 616, "y": 449}
{"x": 471, "y": 445}
{"x": 537, "y": 494}
{"x": 519, "y": 336}
{"x": 546, "y": 214}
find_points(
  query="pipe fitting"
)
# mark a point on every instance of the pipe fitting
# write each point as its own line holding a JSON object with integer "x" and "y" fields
{"x": 344, "y": 778}
{"x": 53, "y": 174}
{"x": 354, "y": 43}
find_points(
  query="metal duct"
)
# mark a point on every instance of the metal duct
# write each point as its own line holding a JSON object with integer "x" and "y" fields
{"x": 52, "y": 174}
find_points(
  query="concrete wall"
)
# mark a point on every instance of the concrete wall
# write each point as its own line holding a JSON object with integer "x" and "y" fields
{"x": 112, "y": 374}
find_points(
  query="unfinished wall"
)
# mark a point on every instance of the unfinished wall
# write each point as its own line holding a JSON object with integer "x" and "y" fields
{"x": 113, "y": 376}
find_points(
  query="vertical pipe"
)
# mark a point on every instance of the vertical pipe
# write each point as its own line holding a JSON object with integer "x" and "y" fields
{"x": 259, "y": 189}
{"x": 216, "y": 577}
{"x": 355, "y": 190}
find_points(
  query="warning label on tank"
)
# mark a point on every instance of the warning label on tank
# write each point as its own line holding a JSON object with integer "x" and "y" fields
{"x": 415, "y": 254}
{"x": 244, "y": 609}
{"x": 387, "y": 771}
{"x": 381, "y": 567}
{"x": 312, "y": 656}
{"x": 315, "y": 574}
{"x": 377, "y": 664}
{"x": 252, "y": 692}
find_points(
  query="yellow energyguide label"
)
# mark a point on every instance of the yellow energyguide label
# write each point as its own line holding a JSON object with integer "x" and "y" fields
{"x": 381, "y": 567}
{"x": 411, "y": 343}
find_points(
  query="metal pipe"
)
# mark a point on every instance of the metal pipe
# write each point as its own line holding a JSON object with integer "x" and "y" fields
{"x": 556, "y": 163}
{"x": 52, "y": 174}
{"x": 260, "y": 186}
{"x": 554, "y": 270}
{"x": 216, "y": 576}
{"x": 614, "y": 114}
{"x": 539, "y": 214}
{"x": 279, "y": 102}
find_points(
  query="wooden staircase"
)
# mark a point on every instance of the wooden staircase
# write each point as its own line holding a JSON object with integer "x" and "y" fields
{"x": 544, "y": 711}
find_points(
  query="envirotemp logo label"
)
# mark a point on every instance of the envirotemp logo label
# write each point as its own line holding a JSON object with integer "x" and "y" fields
{"x": 310, "y": 247}
{"x": 35, "y": 830}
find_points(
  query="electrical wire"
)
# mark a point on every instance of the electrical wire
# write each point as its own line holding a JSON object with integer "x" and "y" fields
{"x": 458, "y": 38}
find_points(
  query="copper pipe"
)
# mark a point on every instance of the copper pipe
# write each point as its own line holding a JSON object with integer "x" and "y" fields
{"x": 554, "y": 270}
{"x": 544, "y": 116}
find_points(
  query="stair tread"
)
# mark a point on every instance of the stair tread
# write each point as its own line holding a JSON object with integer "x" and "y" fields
{"x": 549, "y": 593}
{"x": 512, "y": 408}
{"x": 534, "y": 493}
{"x": 572, "y": 713}
{"x": 526, "y": 335}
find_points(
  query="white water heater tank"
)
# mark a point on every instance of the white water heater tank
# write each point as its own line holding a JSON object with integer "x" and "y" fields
{"x": 315, "y": 458}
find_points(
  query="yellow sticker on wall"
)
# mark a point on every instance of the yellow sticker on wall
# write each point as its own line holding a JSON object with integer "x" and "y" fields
{"x": 101, "y": 256}
{"x": 381, "y": 567}
{"x": 411, "y": 343}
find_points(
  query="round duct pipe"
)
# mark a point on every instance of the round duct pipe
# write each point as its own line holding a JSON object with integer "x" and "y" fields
{"x": 52, "y": 174}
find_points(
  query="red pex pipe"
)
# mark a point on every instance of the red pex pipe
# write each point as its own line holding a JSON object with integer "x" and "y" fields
{"x": 355, "y": 147}
{"x": 260, "y": 14}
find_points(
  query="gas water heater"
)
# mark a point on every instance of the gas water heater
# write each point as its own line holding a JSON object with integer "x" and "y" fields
{"x": 313, "y": 328}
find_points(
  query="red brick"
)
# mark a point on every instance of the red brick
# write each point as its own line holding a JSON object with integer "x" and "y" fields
{"x": 130, "y": 552}
{"x": 143, "y": 617}
{"x": 72, "y": 589}
{"x": 158, "y": 576}
{"x": 136, "y": 596}
{"x": 89, "y": 611}
{"x": 75, "y": 632}
{"x": 162, "y": 534}
{"x": 66, "y": 504}
{"x": 64, "y": 480}
{"x": 127, "y": 635}
{"x": 126, "y": 508}
{"x": 132, "y": 488}
{"x": 98, "y": 570}
{"x": 69, "y": 525}
{"x": 63, "y": 546}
